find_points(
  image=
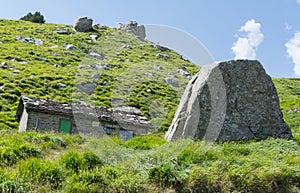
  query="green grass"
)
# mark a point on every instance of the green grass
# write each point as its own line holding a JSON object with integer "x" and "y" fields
{"x": 288, "y": 92}
{"x": 72, "y": 164}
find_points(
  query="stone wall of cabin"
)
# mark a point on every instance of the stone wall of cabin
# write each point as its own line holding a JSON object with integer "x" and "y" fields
{"x": 40, "y": 121}
{"x": 23, "y": 121}
{"x": 80, "y": 124}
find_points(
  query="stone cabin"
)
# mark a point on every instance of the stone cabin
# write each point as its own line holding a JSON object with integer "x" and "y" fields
{"x": 46, "y": 115}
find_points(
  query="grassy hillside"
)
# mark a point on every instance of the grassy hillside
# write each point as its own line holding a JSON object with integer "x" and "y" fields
{"x": 35, "y": 162}
{"x": 51, "y": 71}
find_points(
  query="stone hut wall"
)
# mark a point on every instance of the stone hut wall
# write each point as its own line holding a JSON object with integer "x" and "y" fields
{"x": 41, "y": 121}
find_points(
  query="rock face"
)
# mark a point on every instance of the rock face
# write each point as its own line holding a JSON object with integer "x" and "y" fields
{"x": 83, "y": 24}
{"x": 62, "y": 31}
{"x": 229, "y": 101}
{"x": 70, "y": 47}
{"x": 134, "y": 28}
{"x": 30, "y": 40}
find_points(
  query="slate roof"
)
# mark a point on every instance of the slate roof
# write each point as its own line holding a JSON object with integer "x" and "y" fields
{"x": 129, "y": 115}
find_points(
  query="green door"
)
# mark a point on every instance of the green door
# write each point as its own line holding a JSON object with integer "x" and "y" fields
{"x": 65, "y": 126}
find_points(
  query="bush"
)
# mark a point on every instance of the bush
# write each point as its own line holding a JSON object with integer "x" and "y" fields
{"x": 10, "y": 155}
{"x": 164, "y": 175}
{"x": 72, "y": 161}
{"x": 86, "y": 182}
{"x": 38, "y": 171}
{"x": 144, "y": 142}
{"x": 85, "y": 161}
{"x": 7, "y": 184}
{"x": 90, "y": 160}
{"x": 37, "y": 17}
{"x": 12, "y": 186}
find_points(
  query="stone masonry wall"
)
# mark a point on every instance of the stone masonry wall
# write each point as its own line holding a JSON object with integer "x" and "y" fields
{"x": 47, "y": 122}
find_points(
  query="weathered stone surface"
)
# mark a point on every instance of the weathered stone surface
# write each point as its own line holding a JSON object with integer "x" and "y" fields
{"x": 83, "y": 24}
{"x": 94, "y": 37}
{"x": 24, "y": 62}
{"x": 171, "y": 81}
{"x": 40, "y": 59}
{"x": 294, "y": 110}
{"x": 96, "y": 76}
{"x": 87, "y": 87}
{"x": 62, "y": 31}
{"x": 229, "y": 101}
{"x": 184, "y": 73}
{"x": 105, "y": 83}
{"x": 125, "y": 46}
{"x": 100, "y": 27}
{"x": 134, "y": 28}
{"x": 156, "y": 67}
{"x": 61, "y": 85}
{"x": 160, "y": 47}
{"x": 38, "y": 42}
{"x": 149, "y": 74}
{"x": 70, "y": 47}
{"x": 159, "y": 55}
{"x": 127, "y": 109}
{"x": 3, "y": 65}
{"x": 96, "y": 55}
{"x": 30, "y": 40}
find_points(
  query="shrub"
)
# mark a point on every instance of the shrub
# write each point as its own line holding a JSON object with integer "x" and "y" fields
{"x": 90, "y": 160}
{"x": 144, "y": 142}
{"x": 85, "y": 161}
{"x": 203, "y": 180}
{"x": 38, "y": 171}
{"x": 10, "y": 155}
{"x": 37, "y": 17}
{"x": 72, "y": 161}
{"x": 164, "y": 175}
{"x": 86, "y": 182}
{"x": 13, "y": 186}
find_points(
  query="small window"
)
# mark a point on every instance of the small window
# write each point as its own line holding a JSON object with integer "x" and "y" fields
{"x": 126, "y": 135}
{"x": 109, "y": 130}
{"x": 65, "y": 126}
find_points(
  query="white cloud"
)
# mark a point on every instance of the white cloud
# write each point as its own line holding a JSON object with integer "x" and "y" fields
{"x": 293, "y": 50}
{"x": 298, "y": 1}
{"x": 246, "y": 45}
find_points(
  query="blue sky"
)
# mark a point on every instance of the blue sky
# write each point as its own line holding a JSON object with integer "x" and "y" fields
{"x": 215, "y": 23}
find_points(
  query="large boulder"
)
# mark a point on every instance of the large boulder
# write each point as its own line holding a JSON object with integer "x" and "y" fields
{"x": 134, "y": 28}
{"x": 83, "y": 24}
{"x": 229, "y": 101}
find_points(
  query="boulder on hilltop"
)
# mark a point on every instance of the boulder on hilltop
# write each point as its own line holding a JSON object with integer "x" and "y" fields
{"x": 133, "y": 28}
{"x": 83, "y": 24}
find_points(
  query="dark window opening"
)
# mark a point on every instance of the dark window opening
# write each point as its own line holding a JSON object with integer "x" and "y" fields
{"x": 110, "y": 130}
{"x": 126, "y": 135}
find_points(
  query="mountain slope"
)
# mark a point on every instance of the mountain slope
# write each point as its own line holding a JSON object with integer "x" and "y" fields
{"x": 133, "y": 71}
{"x": 37, "y": 61}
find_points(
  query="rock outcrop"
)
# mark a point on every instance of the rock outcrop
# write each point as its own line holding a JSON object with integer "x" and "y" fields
{"x": 62, "y": 31}
{"x": 229, "y": 101}
{"x": 134, "y": 28}
{"x": 83, "y": 24}
{"x": 35, "y": 41}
